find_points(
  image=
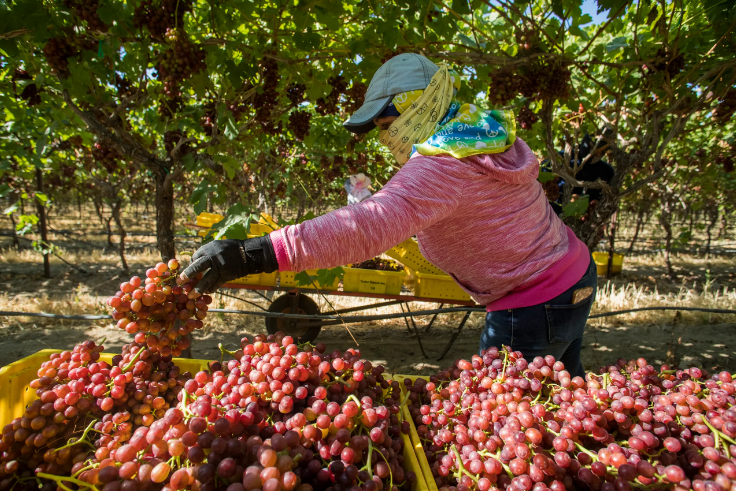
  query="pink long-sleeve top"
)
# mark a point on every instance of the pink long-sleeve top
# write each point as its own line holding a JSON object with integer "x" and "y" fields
{"x": 484, "y": 220}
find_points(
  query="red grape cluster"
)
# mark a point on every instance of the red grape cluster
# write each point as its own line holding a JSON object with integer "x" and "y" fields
{"x": 665, "y": 62}
{"x": 57, "y": 51}
{"x": 504, "y": 86}
{"x": 106, "y": 156}
{"x": 499, "y": 421}
{"x": 178, "y": 63}
{"x": 31, "y": 94}
{"x": 725, "y": 108}
{"x": 526, "y": 117}
{"x": 86, "y": 10}
{"x": 162, "y": 311}
{"x": 299, "y": 124}
{"x": 355, "y": 96}
{"x": 295, "y": 93}
{"x": 85, "y": 403}
{"x": 328, "y": 105}
{"x": 266, "y": 98}
{"x": 159, "y": 17}
{"x": 726, "y": 161}
{"x": 542, "y": 79}
{"x": 527, "y": 39}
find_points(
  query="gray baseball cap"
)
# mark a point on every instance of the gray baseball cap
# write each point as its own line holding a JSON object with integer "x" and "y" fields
{"x": 402, "y": 73}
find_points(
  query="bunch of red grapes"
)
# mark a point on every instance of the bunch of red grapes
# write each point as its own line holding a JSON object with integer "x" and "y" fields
{"x": 498, "y": 421}
{"x": 87, "y": 409}
{"x": 162, "y": 311}
{"x": 86, "y": 10}
{"x": 299, "y": 124}
{"x": 275, "y": 417}
{"x": 526, "y": 117}
{"x": 328, "y": 105}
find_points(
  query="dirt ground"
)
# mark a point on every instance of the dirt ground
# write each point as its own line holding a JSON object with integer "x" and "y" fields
{"x": 705, "y": 340}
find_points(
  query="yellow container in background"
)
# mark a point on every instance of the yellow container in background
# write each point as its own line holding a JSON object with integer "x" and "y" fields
{"x": 288, "y": 281}
{"x": 372, "y": 281}
{"x": 265, "y": 279}
{"x": 408, "y": 254}
{"x": 438, "y": 286}
{"x": 14, "y": 380}
{"x": 601, "y": 262}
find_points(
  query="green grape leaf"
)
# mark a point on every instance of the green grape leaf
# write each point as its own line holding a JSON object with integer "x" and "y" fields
{"x": 545, "y": 176}
{"x": 303, "y": 279}
{"x": 200, "y": 196}
{"x": 307, "y": 40}
{"x": 461, "y": 7}
{"x": 576, "y": 208}
{"x": 235, "y": 225}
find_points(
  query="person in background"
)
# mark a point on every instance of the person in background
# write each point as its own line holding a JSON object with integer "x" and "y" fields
{"x": 358, "y": 188}
{"x": 595, "y": 168}
{"x": 467, "y": 188}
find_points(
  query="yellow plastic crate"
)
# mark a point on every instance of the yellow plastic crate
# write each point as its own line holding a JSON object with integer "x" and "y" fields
{"x": 408, "y": 254}
{"x": 373, "y": 281}
{"x": 416, "y": 443}
{"x": 410, "y": 453}
{"x": 438, "y": 286}
{"x": 601, "y": 262}
{"x": 16, "y": 396}
{"x": 14, "y": 379}
{"x": 288, "y": 281}
{"x": 266, "y": 279}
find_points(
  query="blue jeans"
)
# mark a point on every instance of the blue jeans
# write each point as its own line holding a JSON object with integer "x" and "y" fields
{"x": 552, "y": 328}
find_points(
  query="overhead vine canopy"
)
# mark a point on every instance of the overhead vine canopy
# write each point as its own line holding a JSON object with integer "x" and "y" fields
{"x": 239, "y": 96}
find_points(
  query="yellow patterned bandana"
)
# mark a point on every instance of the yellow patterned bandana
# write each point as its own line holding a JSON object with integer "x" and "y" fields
{"x": 432, "y": 123}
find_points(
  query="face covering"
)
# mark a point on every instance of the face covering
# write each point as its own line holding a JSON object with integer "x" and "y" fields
{"x": 433, "y": 123}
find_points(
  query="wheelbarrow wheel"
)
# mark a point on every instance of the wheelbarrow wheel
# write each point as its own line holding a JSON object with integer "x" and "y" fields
{"x": 304, "y": 306}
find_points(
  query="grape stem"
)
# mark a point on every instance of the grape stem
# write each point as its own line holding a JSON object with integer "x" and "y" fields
{"x": 594, "y": 456}
{"x": 81, "y": 438}
{"x": 368, "y": 466}
{"x": 460, "y": 464}
{"x": 132, "y": 361}
{"x": 59, "y": 480}
{"x": 390, "y": 474}
{"x": 224, "y": 350}
{"x": 717, "y": 436}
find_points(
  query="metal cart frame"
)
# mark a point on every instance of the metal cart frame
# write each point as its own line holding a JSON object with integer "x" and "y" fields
{"x": 299, "y": 328}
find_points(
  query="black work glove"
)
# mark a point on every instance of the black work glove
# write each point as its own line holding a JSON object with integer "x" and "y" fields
{"x": 229, "y": 260}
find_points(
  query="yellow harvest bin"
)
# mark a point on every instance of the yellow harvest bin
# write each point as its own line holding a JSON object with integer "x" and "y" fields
{"x": 416, "y": 443}
{"x": 14, "y": 380}
{"x": 408, "y": 254}
{"x": 438, "y": 286}
{"x": 373, "y": 281}
{"x": 601, "y": 262}
{"x": 288, "y": 281}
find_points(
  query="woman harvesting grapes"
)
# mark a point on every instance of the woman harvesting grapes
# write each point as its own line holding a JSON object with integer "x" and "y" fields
{"x": 467, "y": 189}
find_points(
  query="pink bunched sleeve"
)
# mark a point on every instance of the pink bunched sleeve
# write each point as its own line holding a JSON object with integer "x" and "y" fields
{"x": 423, "y": 191}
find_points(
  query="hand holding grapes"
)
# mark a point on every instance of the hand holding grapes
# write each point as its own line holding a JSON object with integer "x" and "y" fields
{"x": 230, "y": 259}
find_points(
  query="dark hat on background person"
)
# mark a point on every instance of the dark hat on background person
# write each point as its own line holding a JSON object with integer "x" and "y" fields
{"x": 402, "y": 73}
